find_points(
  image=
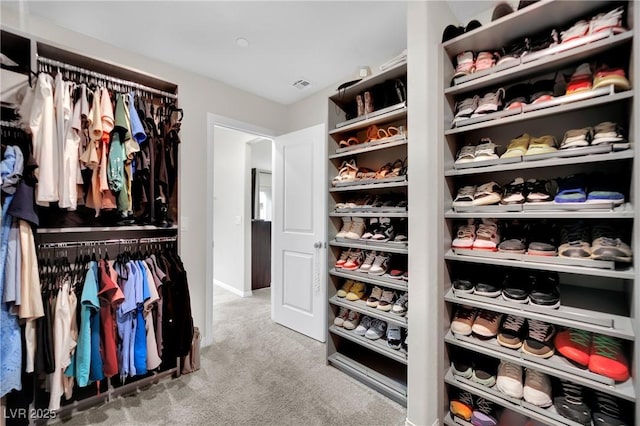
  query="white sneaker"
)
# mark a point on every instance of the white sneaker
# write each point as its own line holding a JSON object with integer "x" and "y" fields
{"x": 346, "y": 227}
{"x": 509, "y": 380}
{"x": 401, "y": 305}
{"x": 352, "y": 320}
{"x": 356, "y": 230}
{"x": 368, "y": 261}
{"x": 377, "y": 330}
{"x": 342, "y": 315}
{"x": 380, "y": 265}
{"x": 537, "y": 388}
{"x": 364, "y": 325}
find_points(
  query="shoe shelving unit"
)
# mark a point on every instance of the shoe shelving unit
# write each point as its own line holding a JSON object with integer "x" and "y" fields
{"x": 371, "y": 362}
{"x": 603, "y": 299}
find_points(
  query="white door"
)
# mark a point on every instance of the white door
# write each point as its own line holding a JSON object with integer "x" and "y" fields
{"x": 298, "y": 232}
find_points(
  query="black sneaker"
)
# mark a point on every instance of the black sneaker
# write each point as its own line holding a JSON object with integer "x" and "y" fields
{"x": 489, "y": 285}
{"x": 461, "y": 362}
{"x": 570, "y": 404}
{"x": 575, "y": 240}
{"x": 485, "y": 370}
{"x": 544, "y": 291}
{"x": 606, "y": 411}
{"x": 384, "y": 232}
{"x": 516, "y": 287}
{"x": 512, "y": 332}
{"x": 539, "y": 191}
{"x": 513, "y": 237}
{"x": 543, "y": 239}
{"x": 539, "y": 340}
{"x": 463, "y": 286}
{"x": 514, "y": 192}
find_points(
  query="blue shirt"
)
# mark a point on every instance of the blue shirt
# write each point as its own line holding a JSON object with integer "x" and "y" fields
{"x": 90, "y": 304}
{"x": 126, "y": 319}
{"x": 140, "y": 343}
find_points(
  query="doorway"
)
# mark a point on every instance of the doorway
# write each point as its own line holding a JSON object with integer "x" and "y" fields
{"x": 261, "y": 154}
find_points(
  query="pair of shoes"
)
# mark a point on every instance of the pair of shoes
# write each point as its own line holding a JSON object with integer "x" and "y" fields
{"x": 373, "y": 263}
{"x": 485, "y": 237}
{"x": 371, "y": 328}
{"x": 533, "y": 336}
{"x": 468, "y": 62}
{"x": 571, "y": 402}
{"x": 611, "y": 20}
{"x": 485, "y": 150}
{"x": 350, "y": 259}
{"x": 477, "y": 106}
{"x": 536, "y": 388}
{"x": 602, "y": 242}
{"x": 352, "y": 228}
{"x": 453, "y": 31}
{"x": 470, "y": 365}
{"x": 601, "y": 354}
{"x": 352, "y": 290}
{"x": 596, "y": 188}
{"x": 523, "y": 94}
{"x": 532, "y": 191}
{"x": 583, "y": 79}
{"x": 379, "y": 229}
{"x": 347, "y": 319}
{"x": 481, "y": 322}
{"x": 525, "y": 144}
{"x": 364, "y": 103}
{"x": 604, "y": 133}
{"x": 381, "y": 299}
{"x": 540, "y": 289}
{"x": 483, "y": 195}
{"x": 479, "y": 412}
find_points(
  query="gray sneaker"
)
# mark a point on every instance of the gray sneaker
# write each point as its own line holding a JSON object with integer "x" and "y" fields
{"x": 368, "y": 261}
{"x": 401, "y": 305}
{"x": 363, "y": 327}
{"x": 394, "y": 336}
{"x": 377, "y": 330}
{"x": 374, "y": 298}
{"x": 387, "y": 300}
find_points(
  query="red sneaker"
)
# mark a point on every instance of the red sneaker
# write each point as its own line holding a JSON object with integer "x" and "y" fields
{"x": 574, "y": 345}
{"x": 607, "y": 358}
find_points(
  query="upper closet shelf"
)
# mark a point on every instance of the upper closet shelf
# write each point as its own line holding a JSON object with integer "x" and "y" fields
{"x": 368, "y": 147}
{"x": 558, "y": 105}
{"x": 549, "y": 162}
{"x": 389, "y": 247}
{"x": 626, "y": 274}
{"x": 548, "y": 60}
{"x": 384, "y": 115}
{"x": 523, "y": 22}
{"x": 344, "y": 96}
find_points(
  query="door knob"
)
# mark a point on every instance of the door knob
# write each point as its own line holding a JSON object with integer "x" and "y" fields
{"x": 317, "y": 244}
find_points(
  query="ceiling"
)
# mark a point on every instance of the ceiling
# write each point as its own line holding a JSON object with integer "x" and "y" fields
{"x": 323, "y": 42}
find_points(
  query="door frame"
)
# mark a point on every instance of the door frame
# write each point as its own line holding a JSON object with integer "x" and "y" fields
{"x": 221, "y": 121}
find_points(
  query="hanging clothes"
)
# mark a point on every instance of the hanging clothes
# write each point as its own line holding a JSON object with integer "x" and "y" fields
{"x": 110, "y": 298}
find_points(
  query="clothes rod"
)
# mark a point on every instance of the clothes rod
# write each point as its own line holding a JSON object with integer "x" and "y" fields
{"x": 12, "y": 124}
{"x": 126, "y": 83}
{"x": 95, "y": 243}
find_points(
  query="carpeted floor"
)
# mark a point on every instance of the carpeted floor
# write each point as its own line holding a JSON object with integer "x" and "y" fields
{"x": 256, "y": 373}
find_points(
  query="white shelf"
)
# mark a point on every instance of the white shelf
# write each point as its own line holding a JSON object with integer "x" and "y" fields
{"x": 544, "y": 112}
{"x": 369, "y": 214}
{"x": 393, "y": 389}
{"x": 368, "y": 148}
{"x": 625, "y": 211}
{"x": 361, "y": 306}
{"x": 548, "y": 61}
{"x": 548, "y": 416}
{"x": 349, "y": 94}
{"x": 556, "y": 366}
{"x": 568, "y": 315}
{"x": 627, "y": 273}
{"x": 395, "y": 112}
{"x": 551, "y": 162}
{"x": 402, "y": 184}
{"x": 371, "y": 279}
{"x": 378, "y": 345}
{"x": 372, "y": 245}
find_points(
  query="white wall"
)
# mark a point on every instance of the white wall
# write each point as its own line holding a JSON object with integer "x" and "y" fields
{"x": 230, "y": 154}
{"x": 198, "y": 96}
{"x": 261, "y": 155}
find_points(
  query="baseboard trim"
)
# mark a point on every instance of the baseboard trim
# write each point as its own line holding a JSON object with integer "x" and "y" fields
{"x": 408, "y": 422}
{"x": 232, "y": 289}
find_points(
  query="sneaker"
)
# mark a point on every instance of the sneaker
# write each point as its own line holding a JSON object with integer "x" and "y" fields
{"x": 486, "y": 150}
{"x": 462, "y": 405}
{"x": 346, "y": 226}
{"x": 544, "y": 291}
{"x": 486, "y": 60}
{"x": 380, "y": 265}
{"x": 461, "y": 363}
{"x": 464, "y": 197}
{"x": 377, "y": 329}
{"x": 346, "y": 287}
{"x": 374, "y": 297}
{"x": 465, "y": 64}
{"x": 463, "y": 320}
{"x": 394, "y": 336}
{"x": 514, "y": 192}
{"x": 487, "y": 323}
{"x": 513, "y": 235}
{"x": 605, "y": 76}
{"x": 569, "y": 403}
{"x": 344, "y": 256}
{"x": 461, "y": 286}
{"x": 384, "y": 232}
{"x": 604, "y": 21}
{"x": 607, "y": 245}
{"x": 354, "y": 261}
{"x": 402, "y": 304}
{"x": 465, "y": 237}
{"x": 576, "y": 138}
{"x": 487, "y": 194}
{"x": 539, "y": 191}
{"x": 356, "y": 230}
{"x": 546, "y": 144}
{"x": 606, "y": 411}
{"x": 352, "y": 321}
{"x": 342, "y": 315}
{"x": 487, "y": 237}
{"x": 539, "y": 339}
{"x": 512, "y": 332}
{"x": 489, "y": 286}
{"x": 373, "y": 224}
{"x": 365, "y": 324}
{"x": 357, "y": 291}
{"x": 610, "y": 133}
{"x": 466, "y": 154}
{"x": 368, "y": 261}
{"x": 607, "y": 358}
{"x": 484, "y": 413}
{"x": 387, "y": 300}
{"x": 537, "y": 388}
{"x": 574, "y": 345}
{"x": 464, "y": 109}
{"x": 485, "y": 370}
{"x": 581, "y": 80}
{"x": 575, "y": 241}
{"x": 490, "y": 102}
{"x": 509, "y": 380}
{"x": 543, "y": 240}
{"x": 516, "y": 287}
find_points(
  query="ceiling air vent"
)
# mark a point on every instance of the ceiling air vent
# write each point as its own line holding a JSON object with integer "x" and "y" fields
{"x": 301, "y": 84}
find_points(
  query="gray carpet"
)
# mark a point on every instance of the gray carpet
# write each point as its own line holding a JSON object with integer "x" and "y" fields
{"x": 256, "y": 373}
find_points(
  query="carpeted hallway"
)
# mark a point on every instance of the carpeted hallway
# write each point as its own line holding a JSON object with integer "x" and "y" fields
{"x": 256, "y": 373}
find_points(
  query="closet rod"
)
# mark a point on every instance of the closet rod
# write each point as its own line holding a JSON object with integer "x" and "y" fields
{"x": 12, "y": 124}
{"x": 95, "y": 243}
{"x": 131, "y": 84}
